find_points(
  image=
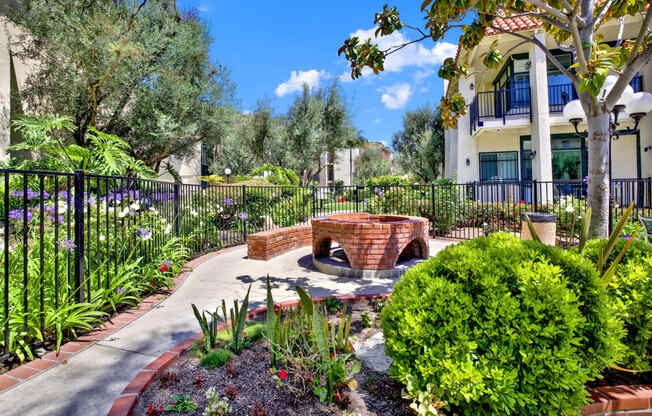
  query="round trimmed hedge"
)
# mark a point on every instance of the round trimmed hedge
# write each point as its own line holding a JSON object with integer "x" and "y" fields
{"x": 502, "y": 326}
{"x": 631, "y": 292}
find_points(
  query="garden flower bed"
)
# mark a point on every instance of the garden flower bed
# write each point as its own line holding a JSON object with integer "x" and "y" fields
{"x": 248, "y": 385}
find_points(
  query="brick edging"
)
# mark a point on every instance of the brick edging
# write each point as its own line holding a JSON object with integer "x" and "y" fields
{"x": 125, "y": 403}
{"x": 33, "y": 368}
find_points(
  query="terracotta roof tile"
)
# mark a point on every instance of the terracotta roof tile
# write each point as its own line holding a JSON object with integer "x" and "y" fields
{"x": 513, "y": 24}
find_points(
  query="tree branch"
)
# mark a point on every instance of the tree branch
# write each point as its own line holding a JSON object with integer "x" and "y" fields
{"x": 574, "y": 79}
{"x": 625, "y": 78}
{"x": 555, "y": 23}
{"x": 645, "y": 28}
{"x": 577, "y": 43}
{"x": 603, "y": 13}
{"x": 551, "y": 10}
{"x": 393, "y": 49}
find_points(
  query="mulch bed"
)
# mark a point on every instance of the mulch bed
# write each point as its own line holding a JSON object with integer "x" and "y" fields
{"x": 248, "y": 380}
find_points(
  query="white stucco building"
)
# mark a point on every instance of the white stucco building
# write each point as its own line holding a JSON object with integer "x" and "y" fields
{"x": 514, "y": 128}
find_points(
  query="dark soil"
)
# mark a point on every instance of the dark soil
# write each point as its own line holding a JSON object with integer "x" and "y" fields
{"x": 247, "y": 378}
{"x": 613, "y": 377}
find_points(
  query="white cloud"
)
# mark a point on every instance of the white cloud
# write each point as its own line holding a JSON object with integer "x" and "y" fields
{"x": 378, "y": 121}
{"x": 202, "y": 9}
{"x": 423, "y": 74}
{"x": 298, "y": 79}
{"x": 396, "y": 96}
{"x": 412, "y": 55}
{"x": 247, "y": 112}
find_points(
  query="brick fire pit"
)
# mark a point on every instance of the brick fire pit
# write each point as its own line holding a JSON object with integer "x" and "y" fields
{"x": 370, "y": 242}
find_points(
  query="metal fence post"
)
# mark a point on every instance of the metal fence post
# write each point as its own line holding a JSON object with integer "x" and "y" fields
{"x": 357, "y": 198}
{"x": 314, "y": 201}
{"x": 176, "y": 208}
{"x": 432, "y": 201}
{"x": 535, "y": 195}
{"x": 79, "y": 235}
{"x": 244, "y": 211}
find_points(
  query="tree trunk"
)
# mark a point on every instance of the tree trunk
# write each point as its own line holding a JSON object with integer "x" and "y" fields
{"x": 598, "y": 144}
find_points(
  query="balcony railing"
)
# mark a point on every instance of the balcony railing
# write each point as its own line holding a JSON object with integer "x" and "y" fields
{"x": 516, "y": 102}
{"x": 500, "y": 105}
{"x": 560, "y": 95}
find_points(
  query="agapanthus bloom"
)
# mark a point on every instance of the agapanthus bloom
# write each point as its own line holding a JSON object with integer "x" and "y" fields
{"x": 19, "y": 214}
{"x": 228, "y": 202}
{"x": 67, "y": 244}
{"x": 144, "y": 233}
{"x": 121, "y": 289}
{"x": 243, "y": 216}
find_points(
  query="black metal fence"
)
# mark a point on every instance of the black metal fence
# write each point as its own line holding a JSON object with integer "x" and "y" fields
{"x": 65, "y": 235}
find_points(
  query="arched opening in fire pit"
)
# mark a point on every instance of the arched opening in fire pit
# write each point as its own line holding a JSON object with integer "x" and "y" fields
{"x": 416, "y": 248}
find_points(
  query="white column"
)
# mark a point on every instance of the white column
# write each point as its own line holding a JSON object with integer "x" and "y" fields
{"x": 450, "y": 154}
{"x": 467, "y": 145}
{"x": 5, "y": 92}
{"x": 542, "y": 161}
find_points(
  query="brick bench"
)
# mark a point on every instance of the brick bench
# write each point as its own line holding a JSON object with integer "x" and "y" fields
{"x": 269, "y": 244}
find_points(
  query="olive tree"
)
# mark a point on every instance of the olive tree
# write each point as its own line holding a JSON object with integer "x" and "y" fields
{"x": 572, "y": 23}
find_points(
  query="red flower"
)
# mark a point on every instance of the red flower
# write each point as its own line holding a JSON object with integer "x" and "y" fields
{"x": 515, "y": 204}
{"x": 150, "y": 409}
{"x": 160, "y": 409}
{"x": 153, "y": 284}
{"x": 522, "y": 202}
{"x": 516, "y": 214}
{"x": 283, "y": 374}
{"x": 163, "y": 268}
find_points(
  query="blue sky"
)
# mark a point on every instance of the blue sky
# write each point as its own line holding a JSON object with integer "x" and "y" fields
{"x": 273, "y": 47}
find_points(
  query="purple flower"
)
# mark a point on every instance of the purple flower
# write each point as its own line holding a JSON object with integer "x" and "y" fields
{"x": 378, "y": 191}
{"x": 626, "y": 237}
{"x": 169, "y": 262}
{"x": 63, "y": 195}
{"x": 67, "y": 244}
{"x": 144, "y": 233}
{"x": 121, "y": 289}
{"x": 575, "y": 244}
{"x": 17, "y": 194}
{"x": 586, "y": 179}
{"x": 91, "y": 200}
{"x": 228, "y": 202}
{"x": 243, "y": 216}
{"x": 18, "y": 214}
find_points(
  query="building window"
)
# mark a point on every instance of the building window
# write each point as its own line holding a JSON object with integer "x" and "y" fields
{"x": 499, "y": 166}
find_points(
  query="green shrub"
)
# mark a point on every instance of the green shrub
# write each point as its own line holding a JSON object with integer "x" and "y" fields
{"x": 216, "y": 358}
{"x": 501, "y": 326}
{"x": 388, "y": 180}
{"x": 631, "y": 292}
{"x": 255, "y": 332}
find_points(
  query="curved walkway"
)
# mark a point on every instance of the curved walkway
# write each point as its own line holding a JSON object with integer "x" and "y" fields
{"x": 90, "y": 381}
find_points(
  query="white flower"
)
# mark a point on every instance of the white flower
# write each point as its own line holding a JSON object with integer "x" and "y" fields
{"x": 153, "y": 210}
{"x": 62, "y": 205}
{"x": 123, "y": 213}
{"x": 135, "y": 206}
{"x": 102, "y": 238}
{"x": 168, "y": 229}
{"x": 218, "y": 209}
{"x": 193, "y": 213}
{"x": 163, "y": 220}
{"x": 569, "y": 208}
